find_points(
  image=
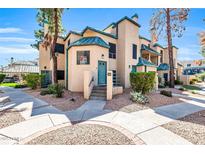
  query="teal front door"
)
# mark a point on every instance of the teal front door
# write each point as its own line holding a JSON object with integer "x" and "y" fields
{"x": 102, "y": 69}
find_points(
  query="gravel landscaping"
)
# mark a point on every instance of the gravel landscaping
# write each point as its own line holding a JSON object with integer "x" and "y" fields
{"x": 191, "y": 127}
{"x": 8, "y": 118}
{"x": 123, "y": 102}
{"x": 89, "y": 134}
{"x": 65, "y": 103}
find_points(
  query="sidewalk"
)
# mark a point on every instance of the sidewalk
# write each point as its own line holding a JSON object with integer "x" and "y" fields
{"x": 145, "y": 124}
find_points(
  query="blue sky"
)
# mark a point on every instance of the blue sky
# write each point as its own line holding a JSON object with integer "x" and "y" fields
{"x": 17, "y": 27}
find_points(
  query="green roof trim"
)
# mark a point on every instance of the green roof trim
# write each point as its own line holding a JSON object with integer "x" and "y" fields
{"x": 175, "y": 47}
{"x": 90, "y": 41}
{"x": 135, "y": 15}
{"x": 112, "y": 24}
{"x": 72, "y": 32}
{"x": 99, "y": 31}
{"x": 141, "y": 37}
{"x": 144, "y": 47}
{"x": 144, "y": 62}
{"x": 157, "y": 44}
{"x": 163, "y": 67}
{"x": 129, "y": 19}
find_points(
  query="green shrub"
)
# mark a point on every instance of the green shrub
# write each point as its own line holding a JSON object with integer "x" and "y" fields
{"x": 139, "y": 98}
{"x": 44, "y": 92}
{"x": 182, "y": 89}
{"x": 20, "y": 86}
{"x": 194, "y": 92}
{"x": 161, "y": 86}
{"x": 56, "y": 90}
{"x": 178, "y": 82}
{"x": 2, "y": 76}
{"x": 191, "y": 82}
{"x": 166, "y": 93}
{"x": 33, "y": 80}
{"x": 167, "y": 83}
{"x": 142, "y": 82}
{"x": 51, "y": 89}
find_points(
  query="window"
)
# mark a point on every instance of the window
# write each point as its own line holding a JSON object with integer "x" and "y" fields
{"x": 161, "y": 58}
{"x": 188, "y": 65}
{"x": 68, "y": 43}
{"x": 83, "y": 57}
{"x": 59, "y": 48}
{"x": 134, "y": 51}
{"x": 60, "y": 74}
{"x": 112, "y": 51}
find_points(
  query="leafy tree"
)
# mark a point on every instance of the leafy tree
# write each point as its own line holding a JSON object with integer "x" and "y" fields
{"x": 169, "y": 22}
{"x": 50, "y": 22}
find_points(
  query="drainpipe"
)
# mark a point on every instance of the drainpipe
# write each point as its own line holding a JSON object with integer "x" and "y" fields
{"x": 66, "y": 69}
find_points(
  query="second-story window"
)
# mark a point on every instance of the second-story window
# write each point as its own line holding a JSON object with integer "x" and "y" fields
{"x": 161, "y": 58}
{"x": 134, "y": 51}
{"x": 112, "y": 51}
{"x": 68, "y": 43}
{"x": 59, "y": 48}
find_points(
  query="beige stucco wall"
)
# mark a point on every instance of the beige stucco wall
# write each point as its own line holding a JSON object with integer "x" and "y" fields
{"x": 127, "y": 35}
{"x": 112, "y": 62}
{"x": 75, "y": 75}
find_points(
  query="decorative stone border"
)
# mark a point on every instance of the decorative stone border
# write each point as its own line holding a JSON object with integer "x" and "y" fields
{"x": 124, "y": 131}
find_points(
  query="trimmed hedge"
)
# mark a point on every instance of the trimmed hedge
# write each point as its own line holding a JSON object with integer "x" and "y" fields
{"x": 142, "y": 82}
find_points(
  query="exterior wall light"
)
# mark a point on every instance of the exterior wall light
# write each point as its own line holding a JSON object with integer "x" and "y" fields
{"x": 102, "y": 56}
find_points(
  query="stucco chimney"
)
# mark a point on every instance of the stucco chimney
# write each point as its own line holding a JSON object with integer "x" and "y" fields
{"x": 154, "y": 38}
{"x": 135, "y": 17}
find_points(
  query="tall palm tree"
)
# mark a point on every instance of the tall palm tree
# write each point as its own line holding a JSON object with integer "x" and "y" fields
{"x": 169, "y": 22}
{"x": 52, "y": 19}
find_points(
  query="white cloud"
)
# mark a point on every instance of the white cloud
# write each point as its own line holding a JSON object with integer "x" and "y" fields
{"x": 10, "y": 30}
{"x": 24, "y": 49}
{"x": 190, "y": 52}
{"x": 16, "y": 39}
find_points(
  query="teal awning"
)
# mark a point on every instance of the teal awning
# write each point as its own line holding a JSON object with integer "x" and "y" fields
{"x": 144, "y": 62}
{"x": 90, "y": 41}
{"x": 144, "y": 47}
{"x": 163, "y": 67}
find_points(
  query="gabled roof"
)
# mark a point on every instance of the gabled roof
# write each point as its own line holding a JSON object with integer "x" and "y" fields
{"x": 144, "y": 47}
{"x": 129, "y": 19}
{"x": 144, "y": 62}
{"x": 90, "y": 41}
{"x": 99, "y": 31}
{"x": 72, "y": 32}
{"x": 112, "y": 24}
{"x": 163, "y": 67}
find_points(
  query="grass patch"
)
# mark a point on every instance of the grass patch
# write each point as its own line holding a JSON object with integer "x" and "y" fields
{"x": 189, "y": 87}
{"x": 8, "y": 84}
{"x": 14, "y": 85}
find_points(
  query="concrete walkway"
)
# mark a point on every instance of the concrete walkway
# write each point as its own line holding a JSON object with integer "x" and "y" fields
{"x": 145, "y": 124}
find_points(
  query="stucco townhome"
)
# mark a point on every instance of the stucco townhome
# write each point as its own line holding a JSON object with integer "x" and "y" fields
{"x": 118, "y": 49}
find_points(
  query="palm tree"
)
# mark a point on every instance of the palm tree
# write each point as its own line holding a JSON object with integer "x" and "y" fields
{"x": 169, "y": 22}
{"x": 52, "y": 19}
